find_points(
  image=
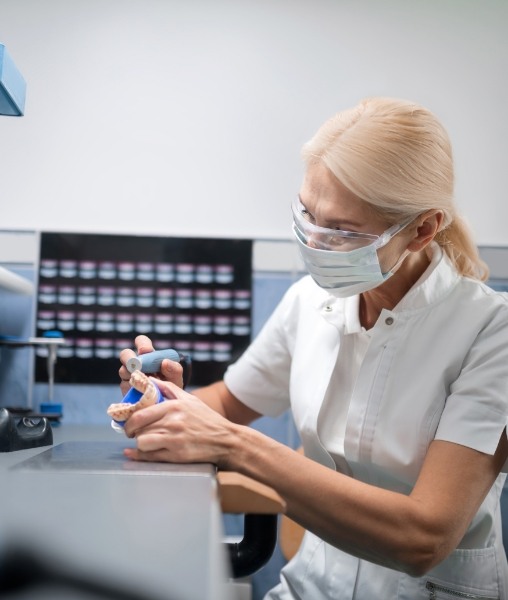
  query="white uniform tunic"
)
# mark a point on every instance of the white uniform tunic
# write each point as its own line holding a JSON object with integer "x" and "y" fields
{"x": 435, "y": 367}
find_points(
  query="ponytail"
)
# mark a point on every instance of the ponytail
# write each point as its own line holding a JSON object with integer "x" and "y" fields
{"x": 457, "y": 242}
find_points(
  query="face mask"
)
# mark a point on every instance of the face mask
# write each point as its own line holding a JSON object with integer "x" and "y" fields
{"x": 345, "y": 272}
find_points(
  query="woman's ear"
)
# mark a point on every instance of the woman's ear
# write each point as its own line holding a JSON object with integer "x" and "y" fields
{"x": 428, "y": 225}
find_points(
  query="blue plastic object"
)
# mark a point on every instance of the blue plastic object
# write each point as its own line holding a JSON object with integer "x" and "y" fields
{"x": 131, "y": 397}
{"x": 12, "y": 86}
{"x": 53, "y": 333}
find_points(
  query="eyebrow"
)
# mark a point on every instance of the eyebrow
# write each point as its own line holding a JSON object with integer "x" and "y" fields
{"x": 343, "y": 222}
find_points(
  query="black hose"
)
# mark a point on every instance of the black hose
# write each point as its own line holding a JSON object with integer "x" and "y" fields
{"x": 256, "y": 547}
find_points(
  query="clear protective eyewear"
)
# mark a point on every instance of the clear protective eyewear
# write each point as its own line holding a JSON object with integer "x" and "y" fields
{"x": 323, "y": 238}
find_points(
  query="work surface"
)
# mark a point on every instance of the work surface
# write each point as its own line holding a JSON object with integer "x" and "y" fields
{"x": 153, "y": 530}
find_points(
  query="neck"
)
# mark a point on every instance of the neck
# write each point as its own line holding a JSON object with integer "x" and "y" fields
{"x": 390, "y": 293}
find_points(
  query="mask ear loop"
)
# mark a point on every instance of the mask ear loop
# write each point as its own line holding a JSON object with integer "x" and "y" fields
{"x": 395, "y": 267}
{"x": 387, "y": 236}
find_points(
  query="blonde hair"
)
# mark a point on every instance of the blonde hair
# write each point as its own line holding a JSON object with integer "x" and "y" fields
{"x": 396, "y": 156}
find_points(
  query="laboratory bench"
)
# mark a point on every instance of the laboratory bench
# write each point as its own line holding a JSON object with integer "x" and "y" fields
{"x": 77, "y": 514}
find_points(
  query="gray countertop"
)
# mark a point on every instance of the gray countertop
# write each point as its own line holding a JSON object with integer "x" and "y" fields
{"x": 80, "y": 505}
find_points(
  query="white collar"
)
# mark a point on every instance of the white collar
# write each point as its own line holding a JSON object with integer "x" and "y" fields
{"x": 435, "y": 283}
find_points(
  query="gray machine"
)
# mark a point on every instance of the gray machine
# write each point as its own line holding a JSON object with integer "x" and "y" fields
{"x": 16, "y": 292}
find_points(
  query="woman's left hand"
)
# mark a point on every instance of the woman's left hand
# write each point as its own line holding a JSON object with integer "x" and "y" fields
{"x": 183, "y": 429}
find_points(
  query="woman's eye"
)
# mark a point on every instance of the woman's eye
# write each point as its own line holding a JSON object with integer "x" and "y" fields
{"x": 306, "y": 214}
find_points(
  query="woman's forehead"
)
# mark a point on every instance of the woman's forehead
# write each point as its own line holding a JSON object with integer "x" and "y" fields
{"x": 322, "y": 190}
{"x": 334, "y": 205}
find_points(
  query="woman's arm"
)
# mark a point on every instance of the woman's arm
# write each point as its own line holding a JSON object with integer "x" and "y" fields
{"x": 409, "y": 533}
{"x": 219, "y": 398}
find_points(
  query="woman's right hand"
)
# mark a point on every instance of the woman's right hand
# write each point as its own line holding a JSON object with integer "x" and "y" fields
{"x": 170, "y": 370}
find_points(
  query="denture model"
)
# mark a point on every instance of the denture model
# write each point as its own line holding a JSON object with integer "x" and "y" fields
{"x": 143, "y": 393}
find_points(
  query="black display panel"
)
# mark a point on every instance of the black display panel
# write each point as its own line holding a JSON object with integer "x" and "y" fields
{"x": 100, "y": 291}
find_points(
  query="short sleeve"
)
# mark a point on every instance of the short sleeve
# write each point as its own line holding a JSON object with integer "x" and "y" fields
{"x": 260, "y": 377}
{"x": 476, "y": 410}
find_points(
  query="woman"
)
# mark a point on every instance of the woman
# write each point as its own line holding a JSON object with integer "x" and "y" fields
{"x": 393, "y": 356}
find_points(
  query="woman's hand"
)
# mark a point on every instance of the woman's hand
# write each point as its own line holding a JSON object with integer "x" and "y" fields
{"x": 170, "y": 370}
{"x": 182, "y": 429}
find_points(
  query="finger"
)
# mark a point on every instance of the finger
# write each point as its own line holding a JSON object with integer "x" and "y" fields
{"x": 123, "y": 373}
{"x": 143, "y": 344}
{"x": 144, "y": 417}
{"x": 158, "y": 456}
{"x": 171, "y": 390}
{"x": 150, "y": 442}
{"x": 125, "y": 354}
{"x": 171, "y": 370}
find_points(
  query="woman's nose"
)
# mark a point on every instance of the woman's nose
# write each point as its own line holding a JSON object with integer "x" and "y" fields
{"x": 311, "y": 242}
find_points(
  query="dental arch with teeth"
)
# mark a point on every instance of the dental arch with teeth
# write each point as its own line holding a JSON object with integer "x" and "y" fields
{"x": 121, "y": 411}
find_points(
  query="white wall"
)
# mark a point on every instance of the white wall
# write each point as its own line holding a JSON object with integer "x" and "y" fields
{"x": 186, "y": 117}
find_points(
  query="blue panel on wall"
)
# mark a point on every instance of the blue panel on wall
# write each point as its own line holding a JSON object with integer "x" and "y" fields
{"x": 12, "y": 86}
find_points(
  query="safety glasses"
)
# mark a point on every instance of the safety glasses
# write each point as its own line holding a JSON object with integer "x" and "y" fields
{"x": 324, "y": 238}
{"x": 337, "y": 239}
